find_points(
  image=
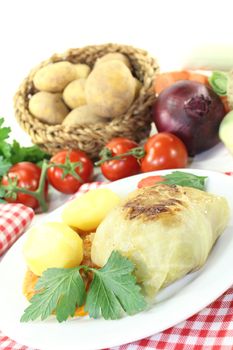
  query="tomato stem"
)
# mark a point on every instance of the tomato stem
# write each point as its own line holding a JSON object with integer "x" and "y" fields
{"x": 106, "y": 154}
{"x": 69, "y": 168}
{"x": 40, "y": 195}
{"x": 40, "y": 192}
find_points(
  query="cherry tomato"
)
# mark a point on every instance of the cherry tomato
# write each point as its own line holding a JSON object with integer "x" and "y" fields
{"x": 150, "y": 181}
{"x": 118, "y": 168}
{"x": 69, "y": 184}
{"x": 28, "y": 176}
{"x": 164, "y": 151}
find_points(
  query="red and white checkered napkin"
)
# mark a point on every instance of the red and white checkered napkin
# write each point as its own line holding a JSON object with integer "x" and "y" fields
{"x": 14, "y": 218}
{"x": 210, "y": 329}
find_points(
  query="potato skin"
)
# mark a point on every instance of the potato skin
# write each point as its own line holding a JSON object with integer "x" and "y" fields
{"x": 112, "y": 56}
{"x": 54, "y": 77}
{"x": 82, "y": 70}
{"x": 110, "y": 89}
{"x": 48, "y": 107}
{"x": 82, "y": 115}
{"x": 74, "y": 93}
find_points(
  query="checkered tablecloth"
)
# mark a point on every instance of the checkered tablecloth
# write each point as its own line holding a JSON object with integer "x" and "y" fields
{"x": 211, "y": 328}
{"x": 14, "y": 218}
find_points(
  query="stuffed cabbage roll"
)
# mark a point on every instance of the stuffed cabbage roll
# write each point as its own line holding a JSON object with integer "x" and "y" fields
{"x": 167, "y": 231}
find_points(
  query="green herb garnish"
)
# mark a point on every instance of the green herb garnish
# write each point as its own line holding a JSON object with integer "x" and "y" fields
{"x": 12, "y": 153}
{"x": 30, "y": 154}
{"x": 185, "y": 179}
{"x": 112, "y": 292}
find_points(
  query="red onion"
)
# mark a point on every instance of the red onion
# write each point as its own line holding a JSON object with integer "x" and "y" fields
{"x": 191, "y": 111}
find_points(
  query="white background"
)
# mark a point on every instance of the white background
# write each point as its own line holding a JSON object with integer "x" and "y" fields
{"x": 179, "y": 33}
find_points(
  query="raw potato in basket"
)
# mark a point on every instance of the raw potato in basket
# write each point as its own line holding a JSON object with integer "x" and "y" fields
{"x": 48, "y": 107}
{"x": 74, "y": 93}
{"x": 82, "y": 70}
{"x": 54, "y": 77}
{"x": 110, "y": 89}
{"x": 82, "y": 115}
{"x": 114, "y": 56}
{"x": 167, "y": 231}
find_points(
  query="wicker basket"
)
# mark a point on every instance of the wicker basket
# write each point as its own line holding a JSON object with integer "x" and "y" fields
{"x": 135, "y": 124}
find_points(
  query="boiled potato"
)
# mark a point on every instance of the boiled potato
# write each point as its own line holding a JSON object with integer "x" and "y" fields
{"x": 55, "y": 76}
{"x": 74, "y": 93}
{"x": 52, "y": 244}
{"x": 110, "y": 89}
{"x": 82, "y": 115}
{"x": 87, "y": 211}
{"x": 114, "y": 56}
{"x": 82, "y": 70}
{"x": 48, "y": 107}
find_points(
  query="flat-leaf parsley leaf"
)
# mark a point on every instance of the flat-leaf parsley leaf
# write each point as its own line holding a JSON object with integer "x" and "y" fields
{"x": 112, "y": 292}
{"x": 59, "y": 291}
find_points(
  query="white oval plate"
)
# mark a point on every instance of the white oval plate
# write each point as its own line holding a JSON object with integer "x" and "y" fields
{"x": 173, "y": 305}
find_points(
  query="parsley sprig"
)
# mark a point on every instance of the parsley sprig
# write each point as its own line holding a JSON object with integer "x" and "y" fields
{"x": 182, "y": 178}
{"x": 112, "y": 293}
{"x": 12, "y": 153}
{"x": 60, "y": 290}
